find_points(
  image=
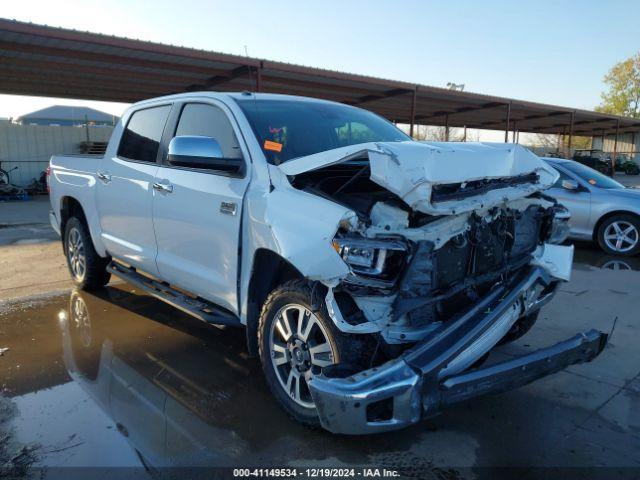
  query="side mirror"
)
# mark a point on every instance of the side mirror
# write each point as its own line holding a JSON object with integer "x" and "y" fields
{"x": 193, "y": 151}
{"x": 570, "y": 185}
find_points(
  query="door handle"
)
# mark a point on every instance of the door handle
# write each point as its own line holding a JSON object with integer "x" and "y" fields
{"x": 105, "y": 177}
{"x": 163, "y": 187}
{"x": 228, "y": 208}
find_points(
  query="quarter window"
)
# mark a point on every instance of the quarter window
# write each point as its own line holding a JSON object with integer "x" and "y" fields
{"x": 141, "y": 138}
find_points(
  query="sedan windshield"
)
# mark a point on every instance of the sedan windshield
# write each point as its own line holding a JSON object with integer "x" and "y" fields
{"x": 591, "y": 176}
{"x": 288, "y": 129}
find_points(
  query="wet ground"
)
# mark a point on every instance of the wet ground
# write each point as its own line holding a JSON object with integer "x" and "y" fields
{"x": 117, "y": 378}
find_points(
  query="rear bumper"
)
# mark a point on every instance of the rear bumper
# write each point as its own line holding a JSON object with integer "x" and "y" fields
{"x": 434, "y": 374}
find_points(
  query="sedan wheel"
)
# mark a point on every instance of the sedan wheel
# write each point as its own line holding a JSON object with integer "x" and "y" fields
{"x": 621, "y": 236}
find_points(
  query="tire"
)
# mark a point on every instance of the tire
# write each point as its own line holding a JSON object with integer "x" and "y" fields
{"x": 620, "y": 235}
{"x": 632, "y": 170}
{"x": 88, "y": 269}
{"x": 520, "y": 328}
{"x": 300, "y": 357}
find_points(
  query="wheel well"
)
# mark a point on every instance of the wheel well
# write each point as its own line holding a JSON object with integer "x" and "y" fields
{"x": 609, "y": 215}
{"x": 70, "y": 207}
{"x": 269, "y": 270}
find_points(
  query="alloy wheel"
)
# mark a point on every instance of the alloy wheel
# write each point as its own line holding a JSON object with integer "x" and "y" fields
{"x": 621, "y": 236}
{"x": 76, "y": 254}
{"x": 81, "y": 319}
{"x": 299, "y": 349}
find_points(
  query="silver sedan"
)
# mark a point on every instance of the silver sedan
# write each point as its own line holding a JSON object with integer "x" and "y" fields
{"x": 602, "y": 210}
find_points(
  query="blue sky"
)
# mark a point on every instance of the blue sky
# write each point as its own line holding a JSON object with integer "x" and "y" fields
{"x": 554, "y": 52}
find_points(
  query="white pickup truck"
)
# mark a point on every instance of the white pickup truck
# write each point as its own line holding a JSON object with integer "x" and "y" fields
{"x": 373, "y": 273}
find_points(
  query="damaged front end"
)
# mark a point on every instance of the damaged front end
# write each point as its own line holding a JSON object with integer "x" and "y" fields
{"x": 454, "y": 245}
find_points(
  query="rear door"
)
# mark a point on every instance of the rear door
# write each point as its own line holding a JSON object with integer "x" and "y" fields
{"x": 124, "y": 189}
{"x": 197, "y": 223}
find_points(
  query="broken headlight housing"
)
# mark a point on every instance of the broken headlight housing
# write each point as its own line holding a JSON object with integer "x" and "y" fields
{"x": 380, "y": 260}
{"x": 559, "y": 230}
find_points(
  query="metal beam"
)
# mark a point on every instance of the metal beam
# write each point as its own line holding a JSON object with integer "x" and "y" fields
{"x": 259, "y": 78}
{"x": 220, "y": 79}
{"x": 446, "y": 127}
{"x": 100, "y": 69}
{"x": 388, "y": 94}
{"x": 506, "y": 128}
{"x": 615, "y": 148}
{"x": 573, "y": 114}
{"x": 413, "y": 111}
{"x": 441, "y": 113}
{"x": 97, "y": 56}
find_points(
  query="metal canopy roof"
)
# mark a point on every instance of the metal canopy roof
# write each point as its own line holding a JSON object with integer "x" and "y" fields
{"x": 46, "y": 61}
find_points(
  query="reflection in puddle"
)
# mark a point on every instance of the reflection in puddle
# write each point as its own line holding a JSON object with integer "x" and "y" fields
{"x": 588, "y": 254}
{"x": 118, "y": 378}
{"x": 123, "y": 370}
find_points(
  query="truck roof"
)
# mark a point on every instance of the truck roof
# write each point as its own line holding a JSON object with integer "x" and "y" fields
{"x": 230, "y": 95}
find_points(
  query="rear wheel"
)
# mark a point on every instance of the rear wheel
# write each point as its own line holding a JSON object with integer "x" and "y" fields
{"x": 88, "y": 269}
{"x": 295, "y": 343}
{"x": 620, "y": 235}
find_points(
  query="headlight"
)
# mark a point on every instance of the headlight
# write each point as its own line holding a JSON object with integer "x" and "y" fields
{"x": 560, "y": 225}
{"x": 369, "y": 257}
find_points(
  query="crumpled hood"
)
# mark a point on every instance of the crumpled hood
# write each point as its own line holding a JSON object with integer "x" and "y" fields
{"x": 411, "y": 170}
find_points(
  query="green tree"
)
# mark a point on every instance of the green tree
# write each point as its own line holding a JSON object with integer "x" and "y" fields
{"x": 623, "y": 89}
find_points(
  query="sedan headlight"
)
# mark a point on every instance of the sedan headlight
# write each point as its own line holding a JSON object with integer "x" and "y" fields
{"x": 370, "y": 257}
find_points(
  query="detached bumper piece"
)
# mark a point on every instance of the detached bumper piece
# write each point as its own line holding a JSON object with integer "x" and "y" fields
{"x": 435, "y": 373}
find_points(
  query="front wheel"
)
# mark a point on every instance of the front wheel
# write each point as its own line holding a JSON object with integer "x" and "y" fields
{"x": 620, "y": 235}
{"x": 295, "y": 343}
{"x": 88, "y": 269}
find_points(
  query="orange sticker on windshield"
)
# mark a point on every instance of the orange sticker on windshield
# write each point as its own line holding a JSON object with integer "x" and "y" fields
{"x": 273, "y": 146}
{"x": 592, "y": 181}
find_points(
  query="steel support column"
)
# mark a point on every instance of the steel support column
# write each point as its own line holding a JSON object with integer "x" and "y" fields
{"x": 615, "y": 148}
{"x": 446, "y": 127}
{"x": 259, "y": 78}
{"x": 573, "y": 114}
{"x": 464, "y": 137}
{"x": 506, "y": 128}
{"x": 413, "y": 111}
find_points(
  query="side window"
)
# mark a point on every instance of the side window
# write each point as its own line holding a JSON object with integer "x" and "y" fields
{"x": 141, "y": 138}
{"x": 209, "y": 121}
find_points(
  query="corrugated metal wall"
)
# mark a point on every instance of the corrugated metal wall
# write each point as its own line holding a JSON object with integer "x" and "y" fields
{"x": 627, "y": 143}
{"x": 29, "y": 147}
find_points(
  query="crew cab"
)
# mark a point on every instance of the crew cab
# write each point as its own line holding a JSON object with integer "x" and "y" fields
{"x": 373, "y": 273}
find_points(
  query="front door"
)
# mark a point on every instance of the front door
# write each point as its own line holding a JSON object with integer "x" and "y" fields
{"x": 124, "y": 189}
{"x": 578, "y": 202}
{"x": 197, "y": 215}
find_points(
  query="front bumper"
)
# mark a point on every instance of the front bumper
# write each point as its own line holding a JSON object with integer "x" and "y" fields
{"x": 434, "y": 374}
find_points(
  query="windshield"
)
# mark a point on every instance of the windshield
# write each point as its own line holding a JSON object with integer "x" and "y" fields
{"x": 591, "y": 176}
{"x": 288, "y": 129}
